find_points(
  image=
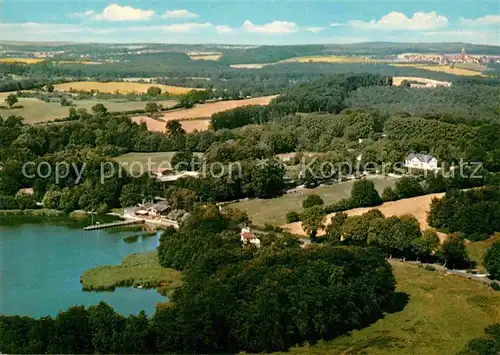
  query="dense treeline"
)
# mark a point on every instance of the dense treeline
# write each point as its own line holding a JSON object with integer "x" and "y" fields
{"x": 474, "y": 213}
{"x": 471, "y": 103}
{"x": 322, "y": 95}
{"x": 396, "y": 236}
{"x": 269, "y": 54}
{"x": 232, "y": 299}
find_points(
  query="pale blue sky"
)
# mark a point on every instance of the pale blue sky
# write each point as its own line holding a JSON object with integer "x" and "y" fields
{"x": 251, "y": 22}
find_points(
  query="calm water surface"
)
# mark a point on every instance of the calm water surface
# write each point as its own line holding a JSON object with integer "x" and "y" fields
{"x": 41, "y": 262}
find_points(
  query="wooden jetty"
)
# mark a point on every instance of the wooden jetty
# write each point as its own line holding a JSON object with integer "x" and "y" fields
{"x": 114, "y": 224}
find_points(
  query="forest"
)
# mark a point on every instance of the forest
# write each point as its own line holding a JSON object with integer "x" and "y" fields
{"x": 473, "y": 213}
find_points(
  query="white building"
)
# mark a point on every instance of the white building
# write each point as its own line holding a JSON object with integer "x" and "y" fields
{"x": 421, "y": 161}
{"x": 247, "y": 237}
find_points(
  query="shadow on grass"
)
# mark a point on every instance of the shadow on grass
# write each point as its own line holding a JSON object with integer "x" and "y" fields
{"x": 398, "y": 302}
{"x": 13, "y": 107}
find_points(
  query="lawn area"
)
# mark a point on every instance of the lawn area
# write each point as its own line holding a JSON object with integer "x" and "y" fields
{"x": 137, "y": 162}
{"x": 476, "y": 250}
{"x": 273, "y": 211}
{"x": 37, "y": 111}
{"x": 140, "y": 269}
{"x": 443, "y": 313}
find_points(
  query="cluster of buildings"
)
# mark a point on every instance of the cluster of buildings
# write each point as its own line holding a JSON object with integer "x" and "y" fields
{"x": 445, "y": 59}
{"x": 149, "y": 211}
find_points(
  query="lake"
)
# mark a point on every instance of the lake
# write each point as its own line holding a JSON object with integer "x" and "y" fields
{"x": 42, "y": 259}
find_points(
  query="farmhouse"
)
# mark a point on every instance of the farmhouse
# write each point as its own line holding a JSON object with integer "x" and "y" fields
{"x": 421, "y": 161}
{"x": 248, "y": 238}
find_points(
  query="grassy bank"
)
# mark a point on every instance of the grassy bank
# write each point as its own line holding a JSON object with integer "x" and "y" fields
{"x": 141, "y": 269}
{"x": 40, "y": 212}
{"x": 443, "y": 313}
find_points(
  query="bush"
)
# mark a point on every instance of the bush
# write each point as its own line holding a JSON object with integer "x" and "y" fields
{"x": 486, "y": 345}
{"x": 364, "y": 194}
{"x": 389, "y": 194}
{"x": 495, "y": 286}
{"x": 292, "y": 217}
{"x": 312, "y": 200}
{"x": 407, "y": 187}
{"x": 454, "y": 253}
{"x": 492, "y": 261}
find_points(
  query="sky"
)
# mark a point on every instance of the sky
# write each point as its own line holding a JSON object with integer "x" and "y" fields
{"x": 251, "y": 21}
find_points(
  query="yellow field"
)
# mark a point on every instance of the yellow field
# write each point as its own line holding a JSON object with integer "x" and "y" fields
{"x": 21, "y": 60}
{"x": 329, "y": 59}
{"x": 78, "y": 62}
{"x": 204, "y": 55}
{"x": 122, "y": 87}
{"x": 441, "y": 68}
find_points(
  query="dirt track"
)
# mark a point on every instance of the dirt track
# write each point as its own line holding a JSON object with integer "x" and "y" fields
{"x": 416, "y": 206}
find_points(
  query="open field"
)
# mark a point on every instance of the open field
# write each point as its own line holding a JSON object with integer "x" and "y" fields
{"x": 122, "y": 87}
{"x": 141, "y": 269}
{"x": 250, "y": 66}
{"x": 189, "y": 125}
{"x": 330, "y": 59}
{"x": 396, "y": 81}
{"x": 138, "y": 162}
{"x": 443, "y": 313}
{"x": 21, "y": 60}
{"x": 37, "y": 111}
{"x": 274, "y": 210}
{"x": 415, "y": 206}
{"x": 88, "y": 62}
{"x": 476, "y": 250}
{"x": 198, "y": 117}
{"x": 204, "y": 55}
{"x": 441, "y": 68}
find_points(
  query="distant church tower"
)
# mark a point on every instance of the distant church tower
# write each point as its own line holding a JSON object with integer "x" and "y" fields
{"x": 463, "y": 54}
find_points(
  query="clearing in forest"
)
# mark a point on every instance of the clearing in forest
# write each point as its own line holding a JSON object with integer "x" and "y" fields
{"x": 422, "y": 82}
{"x": 204, "y": 55}
{"x": 274, "y": 210}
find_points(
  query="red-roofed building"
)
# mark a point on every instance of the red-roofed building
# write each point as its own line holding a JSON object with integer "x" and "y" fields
{"x": 247, "y": 237}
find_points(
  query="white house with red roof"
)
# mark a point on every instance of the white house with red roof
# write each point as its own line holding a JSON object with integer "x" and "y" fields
{"x": 248, "y": 238}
